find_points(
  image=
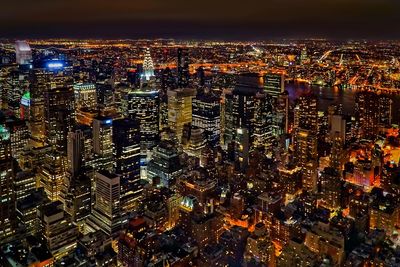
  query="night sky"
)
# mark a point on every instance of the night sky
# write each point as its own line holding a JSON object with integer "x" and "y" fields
{"x": 206, "y": 19}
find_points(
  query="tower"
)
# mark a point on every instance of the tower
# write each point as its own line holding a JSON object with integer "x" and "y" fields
{"x": 103, "y": 142}
{"x": 75, "y": 151}
{"x": 106, "y": 213}
{"x": 183, "y": 68}
{"x": 59, "y": 116}
{"x": 148, "y": 66}
{"x": 23, "y": 52}
{"x": 126, "y": 139}
{"x": 7, "y": 196}
{"x": 144, "y": 106}
{"x": 206, "y": 115}
{"x": 180, "y": 109}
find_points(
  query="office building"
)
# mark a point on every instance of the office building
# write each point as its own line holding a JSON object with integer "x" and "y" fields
{"x": 126, "y": 139}
{"x": 103, "y": 143}
{"x": 85, "y": 96}
{"x": 373, "y": 113}
{"x": 180, "y": 109}
{"x": 165, "y": 163}
{"x": 106, "y": 212}
{"x": 183, "y": 68}
{"x": 206, "y": 114}
{"x": 57, "y": 229}
{"x": 23, "y": 52}
{"x": 7, "y": 196}
{"x": 144, "y": 106}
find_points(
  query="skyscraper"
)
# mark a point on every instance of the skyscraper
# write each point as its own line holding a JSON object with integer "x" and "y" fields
{"x": 7, "y": 196}
{"x": 59, "y": 114}
{"x": 180, "y": 109}
{"x": 306, "y": 113}
{"x": 75, "y": 151}
{"x": 165, "y": 163}
{"x": 57, "y": 229}
{"x": 126, "y": 139}
{"x": 183, "y": 68}
{"x": 85, "y": 96}
{"x": 23, "y": 52}
{"x": 103, "y": 143}
{"x": 148, "y": 66}
{"x": 274, "y": 87}
{"x": 206, "y": 115}
{"x": 373, "y": 112}
{"x": 144, "y": 106}
{"x": 106, "y": 213}
{"x": 246, "y": 107}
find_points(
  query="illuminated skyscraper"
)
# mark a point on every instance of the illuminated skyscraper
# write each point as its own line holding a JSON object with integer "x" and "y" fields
{"x": 144, "y": 106}
{"x": 373, "y": 112}
{"x": 126, "y": 139}
{"x": 103, "y": 143}
{"x": 246, "y": 107}
{"x": 23, "y": 52}
{"x": 106, "y": 213}
{"x": 52, "y": 78}
{"x": 206, "y": 115}
{"x": 148, "y": 66}
{"x": 85, "y": 96}
{"x": 306, "y": 113}
{"x": 7, "y": 196}
{"x": 306, "y": 154}
{"x": 183, "y": 68}
{"x": 105, "y": 95}
{"x": 331, "y": 188}
{"x": 57, "y": 229}
{"x": 52, "y": 174}
{"x": 75, "y": 151}
{"x": 165, "y": 163}
{"x": 277, "y": 104}
{"x": 59, "y": 114}
{"x": 180, "y": 109}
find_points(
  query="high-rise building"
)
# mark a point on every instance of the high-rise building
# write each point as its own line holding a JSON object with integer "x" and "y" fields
{"x": 206, "y": 114}
{"x": 77, "y": 197}
{"x": 246, "y": 107}
{"x": 57, "y": 229}
{"x": 165, "y": 163}
{"x": 106, "y": 213}
{"x": 23, "y": 52}
{"x": 7, "y": 196}
{"x": 105, "y": 95}
{"x": 331, "y": 188}
{"x": 305, "y": 146}
{"x": 126, "y": 139}
{"x": 144, "y": 106}
{"x": 103, "y": 143}
{"x": 75, "y": 151}
{"x": 148, "y": 66}
{"x": 373, "y": 112}
{"x": 51, "y": 102}
{"x": 180, "y": 109}
{"x": 52, "y": 174}
{"x": 306, "y": 155}
{"x": 306, "y": 113}
{"x": 19, "y": 135}
{"x": 59, "y": 116}
{"x": 183, "y": 68}
{"x": 277, "y": 102}
{"x": 85, "y": 96}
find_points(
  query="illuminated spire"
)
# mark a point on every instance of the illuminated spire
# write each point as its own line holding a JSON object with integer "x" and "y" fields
{"x": 148, "y": 66}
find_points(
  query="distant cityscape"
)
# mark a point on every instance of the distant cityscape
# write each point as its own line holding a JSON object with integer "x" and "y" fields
{"x": 199, "y": 153}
